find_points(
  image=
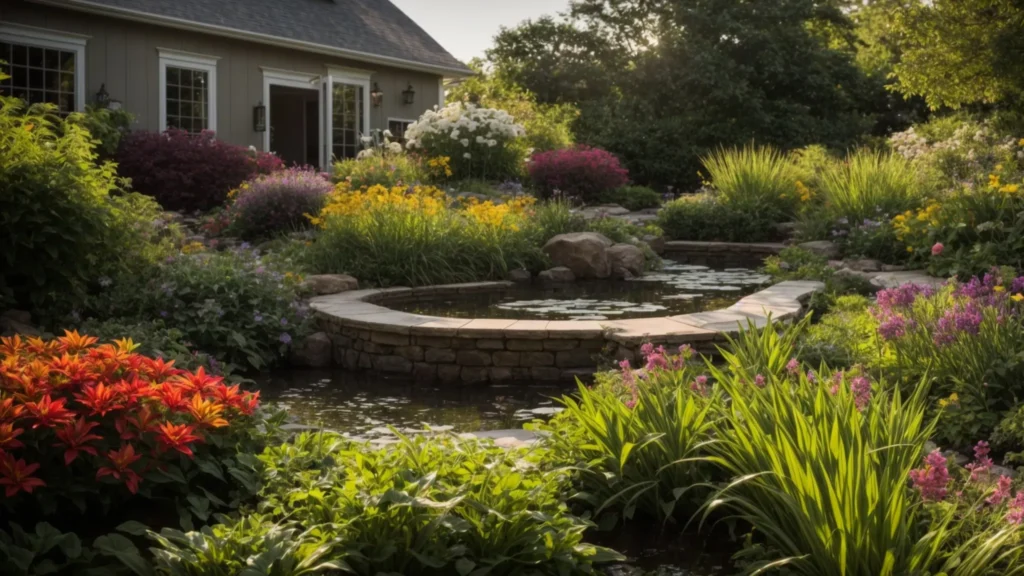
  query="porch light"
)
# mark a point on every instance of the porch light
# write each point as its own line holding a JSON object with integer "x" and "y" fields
{"x": 376, "y": 96}
{"x": 103, "y": 97}
{"x": 409, "y": 95}
{"x": 259, "y": 117}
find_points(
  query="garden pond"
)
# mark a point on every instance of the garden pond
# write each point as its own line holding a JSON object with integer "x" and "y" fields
{"x": 674, "y": 289}
{"x": 364, "y": 405}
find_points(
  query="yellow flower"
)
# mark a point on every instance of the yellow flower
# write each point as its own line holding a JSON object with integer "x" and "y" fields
{"x": 952, "y": 400}
{"x": 193, "y": 248}
{"x": 993, "y": 181}
{"x": 999, "y": 289}
{"x": 1010, "y": 189}
{"x": 1017, "y": 297}
{"x": 910, "y": 249}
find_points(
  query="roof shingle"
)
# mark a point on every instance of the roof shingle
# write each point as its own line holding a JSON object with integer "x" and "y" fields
{"x": 372, "y": 27}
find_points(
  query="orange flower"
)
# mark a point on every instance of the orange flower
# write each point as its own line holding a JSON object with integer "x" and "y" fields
{"x": 172, "y": 397}
{"x": 74, "y": 436}
{"x": 197, "y": 382}
{"x": 177, "y": 436}
{"x": 225, "y": 394}
{"x": 207, "y": 412}
{"x": 249, "y": 403}
{"x": 9, "y": 435}
{"x": 142, "y": 420}
{"x": 121, "y": 461}
{"x": 49, "y": 413}
{"x": 72, "y": 369}
{"x": 17, "y": 475}
{"x": 11, "y": 346}
{"x": 73, "y": 342}
{"x": 135, "y": 390}
{"x": 100, "y": 399}
{"x": 9, "y": 411}
{"x": 158, "y": 370}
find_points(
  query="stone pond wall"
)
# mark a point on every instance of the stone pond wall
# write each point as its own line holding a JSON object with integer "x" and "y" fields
{"x": 365, "y": 335}
{"x": 721, "y": 254}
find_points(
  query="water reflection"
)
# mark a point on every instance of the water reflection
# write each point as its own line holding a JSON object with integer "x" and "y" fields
{"x": 363, "y": 405}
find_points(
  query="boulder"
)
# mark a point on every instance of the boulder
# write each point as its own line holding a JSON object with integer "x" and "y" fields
{"x": 897, "y": 279}
{"x": 17, "y": 322}
{"x": 322, "y": 284}
{"x": 519, "y": 275}
{"x": 314, "y": 351}
{"x": 559, "y": 274}
{"x": 657, "y": 243}
{"x": 822, "y": 248}
{"x": 627, "y": 261}
{"x": 585, "y": 253}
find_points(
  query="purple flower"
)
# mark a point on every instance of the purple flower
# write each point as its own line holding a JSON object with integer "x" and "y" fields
{"x": 257, "y": 317}
{"x": 285, "y": 338}
{"x": 284, "y": 321}
{"x": 894, "y": 327}
{"x": 163, "y": 313}
{"x": 811, "y": 376}
{"x": 861, "y": 388}
{"x": 902, "y": 296}
{"x": 759, "y": 381}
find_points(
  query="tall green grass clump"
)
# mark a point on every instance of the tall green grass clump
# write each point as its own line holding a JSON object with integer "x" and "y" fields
{"x": 869, "y": 185}
{"x": 754, "y": 178}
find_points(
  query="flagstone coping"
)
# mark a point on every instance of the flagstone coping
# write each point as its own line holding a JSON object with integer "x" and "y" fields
{"x": 366, "y": 309}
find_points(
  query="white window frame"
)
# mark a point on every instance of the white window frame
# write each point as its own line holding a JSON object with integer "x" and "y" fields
{"x": 44, "y": 38}
{"x": 191, "y": 61}
{"x": 275, "y": 77}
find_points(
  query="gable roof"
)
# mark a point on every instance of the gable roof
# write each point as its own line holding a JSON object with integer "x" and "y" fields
{"x": 367, "y": 30}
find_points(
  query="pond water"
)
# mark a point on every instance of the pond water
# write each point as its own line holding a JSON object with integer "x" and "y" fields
{"x": 363, "y": 405}
{"x": 674, "y": 289}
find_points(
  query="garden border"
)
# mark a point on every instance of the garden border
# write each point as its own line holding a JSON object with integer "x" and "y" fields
{"x": 366, "y": 335}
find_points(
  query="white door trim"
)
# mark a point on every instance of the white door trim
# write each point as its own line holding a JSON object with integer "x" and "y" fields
{"x": 304, "y": 80}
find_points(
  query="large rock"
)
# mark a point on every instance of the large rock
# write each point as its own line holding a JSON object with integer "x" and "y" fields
{"x": 17, "y": 322}
{"x": 314, "y": 351}
{"x": 897, "y": 279}
{"x": 519, "y": 275}
{"x": 864, "y": 265}
{"x": 559, "y": 274}
{"x": 585, "y": 253}
{"x": 822, "y": 248}
{"x": 657, "y": 243}
{"x": 627, "y": 261}
{"x": 322, "y": 284}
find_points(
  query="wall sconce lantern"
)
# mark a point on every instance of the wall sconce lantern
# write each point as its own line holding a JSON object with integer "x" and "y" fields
{"x": 376, "y": 96}
{"x": 103, "y": 97}
{"x": 409, "y": 95}
{"x": 259, "y": 117}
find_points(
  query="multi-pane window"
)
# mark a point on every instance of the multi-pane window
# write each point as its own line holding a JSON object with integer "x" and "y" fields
{"x": 397, "y": 129}
{"x": 188, "y": 91}
{"x": 188, "y": 98}
{"x": 44, "y": 66}
{"x": 347, "y": 119}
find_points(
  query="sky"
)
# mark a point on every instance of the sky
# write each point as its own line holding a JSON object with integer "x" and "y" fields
{"x": 466, "y": 27}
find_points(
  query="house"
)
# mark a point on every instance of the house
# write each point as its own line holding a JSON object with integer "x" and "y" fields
{"x": 302, "y": 78}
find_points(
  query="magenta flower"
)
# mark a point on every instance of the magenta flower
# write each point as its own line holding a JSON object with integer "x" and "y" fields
{"x": 793, "y": 366}
{"x": 894, "y": 327}
{"x": 861, "y": 388}
{"x": 931, "y": 480}
{"x": 700, "y": 385}
{"x": 759, "y": 381}
{"x": 1016, "y": 513}
{"x": 937, "y": 249}
{"x": 627, "y": 373}
{"x": 811, "y": 376}
{"x": 982, "y": 463}
{"x": 1002, "y": 491}
{"x": 657, "y": 359}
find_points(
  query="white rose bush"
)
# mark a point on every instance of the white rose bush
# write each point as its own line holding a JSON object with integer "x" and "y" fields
{"x": 479, "y": 142}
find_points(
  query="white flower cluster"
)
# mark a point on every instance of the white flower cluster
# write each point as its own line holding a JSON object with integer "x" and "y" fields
{"x": 466, "y": 124}
{"x": 378, "y": 143}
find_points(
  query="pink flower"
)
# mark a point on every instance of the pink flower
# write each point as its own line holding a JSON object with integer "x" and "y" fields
{"x": 793, "y": 367}
{"x": 1016, "y": 513}
{"x": 1002, "y": 491}
{"x": 861, "y": 388}
{"x": 627, "y": 373}
{"x": 982, "y": 463}
{"x": 937, "y": 249}
{"x": 759, "y": 381}
{"x": 931, "y": 480}
{"x": 700, "y": 385}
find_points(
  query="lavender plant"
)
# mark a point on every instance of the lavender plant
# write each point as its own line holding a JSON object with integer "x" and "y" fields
{"x": 277, "y": 203}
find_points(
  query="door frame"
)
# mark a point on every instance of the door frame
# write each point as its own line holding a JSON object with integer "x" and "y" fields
{"x": 303, "y": 80}
{"x": 349, "y": 76}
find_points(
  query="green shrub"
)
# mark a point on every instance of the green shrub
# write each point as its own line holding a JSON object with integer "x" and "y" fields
{"x": 866, "y": 186}
{"x": 424, "y": 506}
{"x": 844, "y": 337}
{"x": 755, "y": 179}
{"x": 60, "y": 230}
{"x": 384, "y": 170}
{"x": 231, "y": 305}
{"x": 154, "y": 338}
{"x": 552, "y": 218}
{"x": 632, "y": 197}
{"x": 106, "y": 127}
{"x": 705, "y": 217}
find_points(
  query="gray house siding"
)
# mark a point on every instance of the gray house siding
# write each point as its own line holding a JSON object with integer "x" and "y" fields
{"x": 123, "y": 56}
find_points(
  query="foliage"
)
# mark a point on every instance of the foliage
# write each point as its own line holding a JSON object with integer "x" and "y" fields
{"x": 382, "y": 162}
{"x": 632, "y": 198}
{"x": 657, "y": 86}
{"x": 755, "y": 179}
{"x": 232, "y": 305}
{"x": 396, "y": 237}
{"x": 479, "y": 142}
{"x": 47, "y": 550}
{"x": 277, "y": 203}
{"x": 60, "y": 228}
{"x": 866, "y": 185}
{"x": 638, "y": 443}
{"x": 86, "y": 427}
{"x": 845, "y": 337}
{"x": 955, "y": 53}
{"x": 581, "y": 172}
{"x": 106, "y": 126}
{"x": 427, "y": 505}
{"x": 152, "y": 338}
{"x": 186, "y": 171}
{"x": 965, "y": 336}
{"x": 705, "y": 217}
{"x": 547, "y": 126}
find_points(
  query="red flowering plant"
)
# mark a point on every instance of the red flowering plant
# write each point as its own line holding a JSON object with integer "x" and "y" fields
{"x": 98, "y": 423}
{"x": 583, "y": 172}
